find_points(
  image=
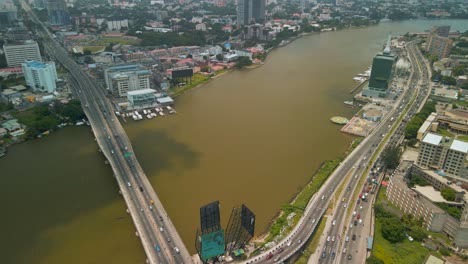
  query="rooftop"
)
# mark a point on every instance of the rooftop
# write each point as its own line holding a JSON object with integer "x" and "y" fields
{"x": 35, "y": 64}
{"x": 434, "y": 260}
{"x": 433, "y": 139}
{"x": 142, "y": 91}
{"x": 460, "y": 146}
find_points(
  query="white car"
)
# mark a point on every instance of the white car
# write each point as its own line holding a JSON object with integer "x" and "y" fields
{"x": 345, "y": 205}
{"x": 289, "y": 243}
{"x": 360, "y": 221}
{"x": 328, "y": 239}
{"x": 351, "y": 226}
{"x": 354, "y": 213}
{"x": 334, "y": 222}
{"x": 347, "y": 238}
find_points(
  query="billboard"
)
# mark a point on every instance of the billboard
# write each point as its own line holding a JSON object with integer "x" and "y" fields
{"x": 182, "y": 73}
{"x": 212, "y": 244}
{"x": 209, "y": 218}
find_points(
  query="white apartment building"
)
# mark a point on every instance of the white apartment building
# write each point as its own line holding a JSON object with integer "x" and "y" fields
{"x": 16, "y": 54}
{"x": 40, "y": 76}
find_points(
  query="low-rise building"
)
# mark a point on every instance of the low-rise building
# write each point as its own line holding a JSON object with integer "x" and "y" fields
{"x": 123, "y": 78}
{"x": 13, "y": 127}
{"x": 428, "y": 125}
{"x": 141, "y": 98}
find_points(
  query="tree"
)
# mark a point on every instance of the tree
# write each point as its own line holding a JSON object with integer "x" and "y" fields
{"x": 242, "y": 62}
{"x": 444, "y": 251}
{"x": 374, "y": 260}
{"x": 391, "y": 157}
{"x": 220, "y": 57}
{"x": 87, "y": 52}
{"x": 458, "y": 70}
{"x": 88, "y": 60}
{"x": 418, "y": 233}
{"x": 449, "y": 80}
{"x": 72, "y": 111}
{"x": 448, "y": 194}
{"x": 393, "y": 230}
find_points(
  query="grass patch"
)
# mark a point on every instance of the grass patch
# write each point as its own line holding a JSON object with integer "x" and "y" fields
{"x": 464, "y": 138}
{"x": 94, "y": 49}
{"x": 445, "y": 132}
{"x": 404, "y": 252}
{"x": 197, "y": 79}
{"x": 121, "y": 41}
{"x": 311, "y": 247}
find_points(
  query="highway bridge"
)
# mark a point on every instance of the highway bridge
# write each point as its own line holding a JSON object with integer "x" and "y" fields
{"x": 159, "y": 237}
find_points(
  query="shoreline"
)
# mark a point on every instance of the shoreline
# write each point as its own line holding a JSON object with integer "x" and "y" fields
{"x": 323, "y": 171}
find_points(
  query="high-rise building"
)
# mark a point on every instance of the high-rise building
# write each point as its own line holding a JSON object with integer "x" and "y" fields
{"x": 441, "y": 31}
{"x": 40, "y": 76}
{"x": 381, "y": 74}
{"x": 18, "y": 53}
{"x": 57, "y": 12}
{"x": 438, "y": 46}
{"x": 124, "y": 78}
{"x": 8, "y": 14}
{"x": 249, "y": 11}
{"x": 443, "y": 153}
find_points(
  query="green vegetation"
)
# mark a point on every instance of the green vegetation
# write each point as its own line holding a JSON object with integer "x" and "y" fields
{"x": 374, "y": 260}
{"x": 392, "y": 229}
{"x": 464, "y": 138}
{"x": 5, "y": 107}
{"x": 445, "y": 132}
{"x": 404, "y": 251}
{"x": 121, "y": 41}
{"x": 415, "y": 123}
{"x": 172, "y": 39}
{"x": 444, "y": 251}
{"x": 417, "y": 180}
{"x": 451, "y": 210}
{"x": 313, "y": 243}
{"x": 43, "y": 118}
{"x": 38, "y": 120}
{"x": 391, "y": 157}
{"x": 197, "y": 79}
{"x": 448, "y": 194}
{"x": 94, "y": 49}
{"x": 243, "y": 62}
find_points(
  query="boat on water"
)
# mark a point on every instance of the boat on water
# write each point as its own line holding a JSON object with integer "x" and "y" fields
{"x": 359, "y": 79}
{"x": 349, "y": 103}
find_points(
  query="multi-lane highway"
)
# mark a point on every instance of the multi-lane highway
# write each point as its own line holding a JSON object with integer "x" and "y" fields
{"x": 160, "y": 240}
{"x": 352, "y": 230}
